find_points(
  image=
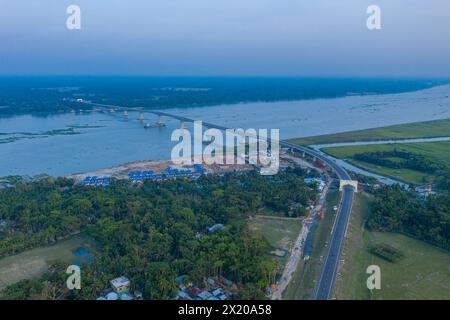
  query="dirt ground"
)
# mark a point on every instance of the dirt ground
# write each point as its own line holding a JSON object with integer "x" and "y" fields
{"x": 159, "y": 166}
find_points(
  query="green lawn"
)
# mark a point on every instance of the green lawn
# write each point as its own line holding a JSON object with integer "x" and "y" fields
{"x": 34, "y": 263}
{"x": 423, "y": 273}
{"x": 428, "y": 129}
{"x": 405, "y": 175}
{"x": 435, "y": 151}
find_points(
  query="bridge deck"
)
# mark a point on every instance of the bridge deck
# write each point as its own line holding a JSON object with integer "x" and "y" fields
{"x": 329, "y": 269}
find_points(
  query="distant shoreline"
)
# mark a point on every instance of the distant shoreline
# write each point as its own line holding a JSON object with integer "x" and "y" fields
{"x": 112, "y": 139}
{"x": 46, "y": 95}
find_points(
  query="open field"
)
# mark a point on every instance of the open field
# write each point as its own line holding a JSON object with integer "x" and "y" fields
{"x": 280, "y": 233}
{"x": 304, "y": 280}
{"x": 33, "y": 263}
{"x": 428, "y": 129}
{"x": 434, "y": 151}
{"x": 423, "y": 273}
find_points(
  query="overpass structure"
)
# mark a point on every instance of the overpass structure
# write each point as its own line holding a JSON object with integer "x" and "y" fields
{"x": 324, "y": 287}
{"x": 328, "y": 273}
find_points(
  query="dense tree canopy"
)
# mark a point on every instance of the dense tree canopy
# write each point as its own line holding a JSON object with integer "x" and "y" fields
{"x": 404, "y": 211}
{"x": 398, "y": 159}
{"x": 154, "y": 232}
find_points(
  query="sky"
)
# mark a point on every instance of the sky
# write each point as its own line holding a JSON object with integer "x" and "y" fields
{"x": 226, "y": 37}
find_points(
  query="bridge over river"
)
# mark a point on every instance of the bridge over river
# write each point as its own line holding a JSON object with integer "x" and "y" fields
{"x": 328, "y": 273}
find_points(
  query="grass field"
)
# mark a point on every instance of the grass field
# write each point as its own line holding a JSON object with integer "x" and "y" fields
{"x": 280, "y": 233}
{"x": 435, "y": 151}
{"x": 428, "y": 129}
{"x": 304, "y": 280}
{"x": 423, "y": 273}
{"x": 33, "y": 263}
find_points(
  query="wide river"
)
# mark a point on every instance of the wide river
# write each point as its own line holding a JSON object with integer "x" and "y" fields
{"x": 29, "y": 146}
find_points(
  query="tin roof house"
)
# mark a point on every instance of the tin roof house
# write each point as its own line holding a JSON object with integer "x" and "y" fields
{"x": 120, "y": 285}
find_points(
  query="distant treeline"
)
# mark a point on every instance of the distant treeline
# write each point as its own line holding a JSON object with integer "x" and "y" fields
{"x": 151, "y": 233}
{"x": 395, "y": 209}
{"x": 19, "y": 95}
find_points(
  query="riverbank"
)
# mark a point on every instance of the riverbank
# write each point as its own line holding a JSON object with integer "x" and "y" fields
{"x": 157, "y": 166}
{"x": 428, "y": 139}
{"x": 435, "y": 151}
{"x": 414, "y": 130}
{"x": 110, "y": 139}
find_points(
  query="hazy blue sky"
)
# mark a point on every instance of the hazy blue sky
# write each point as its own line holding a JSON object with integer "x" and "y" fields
{"x": 226, "y": 37}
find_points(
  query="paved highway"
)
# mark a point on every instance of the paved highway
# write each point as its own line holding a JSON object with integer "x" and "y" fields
{"x": 329, "y": 269}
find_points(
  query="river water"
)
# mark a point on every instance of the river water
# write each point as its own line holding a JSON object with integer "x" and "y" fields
{"x": 92, "y": 141}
